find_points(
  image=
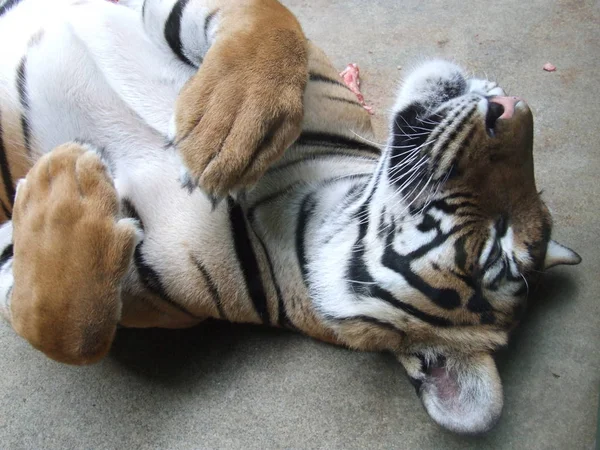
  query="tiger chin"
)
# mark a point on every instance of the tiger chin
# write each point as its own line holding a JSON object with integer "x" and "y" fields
{"x": 425, "y": 248}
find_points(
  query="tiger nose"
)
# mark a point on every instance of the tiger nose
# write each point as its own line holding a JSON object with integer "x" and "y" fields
{"x": 508, "y": 105}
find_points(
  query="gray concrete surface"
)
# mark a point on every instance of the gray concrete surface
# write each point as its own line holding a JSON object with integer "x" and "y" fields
{"x": 221, "y": 386}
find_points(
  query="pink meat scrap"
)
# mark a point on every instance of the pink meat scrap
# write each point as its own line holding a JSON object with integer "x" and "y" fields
{"x": 351, "y": 77}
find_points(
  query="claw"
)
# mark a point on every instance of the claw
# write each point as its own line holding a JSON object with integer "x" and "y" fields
{"x": 20, "y": 184}
{"x": 240, "y": 195}
{"x": 187, "y": 181}
{"x": 215, "y": 201}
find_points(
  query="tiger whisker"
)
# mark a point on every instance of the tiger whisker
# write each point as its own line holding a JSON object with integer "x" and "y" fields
{"x": 526, "y": 283}
{"x": 366, "y": 140}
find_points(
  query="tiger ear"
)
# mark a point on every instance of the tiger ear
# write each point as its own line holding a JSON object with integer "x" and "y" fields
{"x": 557, "y": 254}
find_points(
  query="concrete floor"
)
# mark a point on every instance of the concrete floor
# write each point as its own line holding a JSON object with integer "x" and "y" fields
{"x": 221, "y": 386}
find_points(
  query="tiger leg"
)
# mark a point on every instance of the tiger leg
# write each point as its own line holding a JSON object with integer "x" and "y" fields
{"x": 243, "y": 107}
{"x": 61, "y": 283}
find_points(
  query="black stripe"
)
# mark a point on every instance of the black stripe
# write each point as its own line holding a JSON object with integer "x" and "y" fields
{"x": 454, "y": 165}
{"x": 324, "y": 79}
{"x": 478, "y": 303}
{"x": 487, "y": 318}
{"x": 317, "y": 156}
{"x": 450, "y": 117}
{"x": 444, "y": 298}
{"x": 417, "y": 384}
{"x": 360, "y": 280}
{"x": 509, "y": 275}
{"x": 343, "y": 100}
{"x": 362, "y": 214}
{"x": 129, "y": 210}
{"x": 5, "y": 171}
{"x": 459, "y": 128}
{"x": 403, "y": 131}
{"x": 403, "y": 136}
{"x": 24, "y": 99}
{"x": 6, "y": 255}
{"x": 460, "y": 252}
{"x": 384, "y": 295}
{"x": 501, "y": 226}
{"x": 348, "y": 201}
{"x": 247, "y": 260}
{"x": 283, "y": 320}
{"x": 5, "y": 210}
{"x": 335, "y": 140}
{"x": 494, "y": 284}
{"x": 212, "y": 287}
{"x": 294, "y": 188}
{"x": 370, "y": 320}
{"x": 9, "y": 4}
{"x": 151, "y": 280}
{"x": 173, "y": 31}
{"x": 307, "y": 208}
{"x": 144, "y": 10}
{"x": 207, "y": 23}
{"x": 357, "y": 273}
{"x": 493, "y": 256}
{"x": 443, "y": 206}
{"x": 428, "y": 223}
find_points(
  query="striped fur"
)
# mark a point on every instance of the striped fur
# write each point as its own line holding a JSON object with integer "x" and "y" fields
{"x": 423, "y": 246}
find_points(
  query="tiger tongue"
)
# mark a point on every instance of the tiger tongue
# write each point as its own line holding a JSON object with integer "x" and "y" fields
{"x": 508, "y": 103}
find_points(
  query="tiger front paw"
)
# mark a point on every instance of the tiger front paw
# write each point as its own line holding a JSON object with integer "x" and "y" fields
{"x": 241, "y": 110}
{"x": 70, "y": 254}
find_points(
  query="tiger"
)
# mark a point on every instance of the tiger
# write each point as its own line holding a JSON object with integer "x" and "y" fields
{"x": 185, "y": 160}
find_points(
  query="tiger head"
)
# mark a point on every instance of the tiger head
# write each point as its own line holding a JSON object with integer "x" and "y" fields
{"x": 451, "y": 234}
{"x": 460, "y": 158}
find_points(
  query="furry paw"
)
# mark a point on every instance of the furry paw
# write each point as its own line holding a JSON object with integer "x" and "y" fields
{"x": 70, "y": 254}
{"x": 241, "y": 110}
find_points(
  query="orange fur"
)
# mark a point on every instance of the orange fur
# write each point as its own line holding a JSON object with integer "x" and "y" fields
{"x": 244, "y": 106}
{"x": 65, "y": 230}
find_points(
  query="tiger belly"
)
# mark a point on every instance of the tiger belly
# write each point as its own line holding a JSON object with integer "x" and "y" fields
{"x": 110, "y": 86}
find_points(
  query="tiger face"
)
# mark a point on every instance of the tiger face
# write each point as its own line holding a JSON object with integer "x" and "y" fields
{"x": 449, "y": 236}
{"x": 460, "y": 159}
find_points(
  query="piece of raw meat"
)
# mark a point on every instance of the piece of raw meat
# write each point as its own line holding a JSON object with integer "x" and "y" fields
{"x": 351, "y": 77}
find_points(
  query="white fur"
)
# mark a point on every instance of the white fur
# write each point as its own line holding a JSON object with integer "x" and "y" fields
{"x": 6, "y": 276}
{"x": 420, "y": 85}
{"x": 559, "y": 254}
